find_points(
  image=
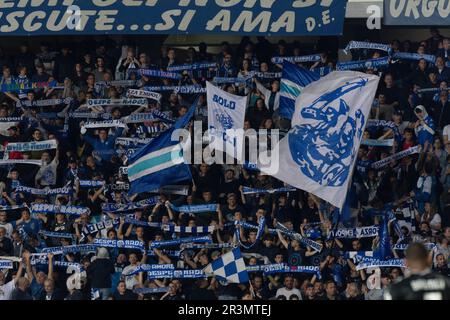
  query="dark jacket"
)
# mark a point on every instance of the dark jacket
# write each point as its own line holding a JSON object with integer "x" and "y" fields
{"x": 56, "y": 295}
{"x": 100, "y": 273}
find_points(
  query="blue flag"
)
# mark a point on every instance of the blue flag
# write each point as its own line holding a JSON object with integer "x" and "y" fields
{"x": 293, "y": 81}
{"x": 384, "y": 247}
{"x": 160, "y": 162}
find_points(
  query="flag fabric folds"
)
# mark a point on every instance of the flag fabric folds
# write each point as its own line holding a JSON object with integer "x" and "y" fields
{"x": 229, "y": 267}
{"x": 226, "y": 111}
{"x": 319, "y": 152}
{"x": 293, "y": 81}
{"x": 161, "y": 161}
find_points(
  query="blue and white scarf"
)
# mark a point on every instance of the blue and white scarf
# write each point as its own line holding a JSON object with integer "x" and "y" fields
{"x": 15, "y": 207}
{"x": 414, "y": 56}
{"x": 196, "y": 208}
{"x": 231, "y": 80}
{"x": 132, "y": 142}
{"x": 6, "y": 264}
{"x": 117, "y": 102}
{"x": 148, "y": 130}
{"x": 371, "y": 262}
{"x": 20, "y": 161}
{"x": 144, "y": 94}
{"x": 361, "y": 232}
{"x": 363, "y": 64}
{"x": 378, "y": 143}
{"x": 367, "y": 45}
{"x": 42, "y": 259}
{"x": 125, "y": 244}
{"x": 139, "y": 118}
{"x": 385, "y": 124}
{"x": 151, "y": 290}
{"x": 43, "y": 103}
{"x": 176, "y": 274}
{"x": 118, "y": 83}
{"x": 191, "y": 89}
{"x": 259, "y": 234}
{"x": 163, "y": 116}
{"x": 296, "y": 236}
{"x": 96, "y": 227}
{"x": 173, "y": 189}
{"x": 91, "y": 183}
{"x": 170, "y": 253}
{"x": 175, "y": 242}
{"x": 89, "y": 115}
{"x": 403, "y": 246}
{"x": 206, "y": 245}
{"x": 83, "y": 248}
{"x": 297, "y": 59}
{"x": 267, "y": 75}
{"x": 247, "y": 190}
{"x": 44, "y": 192}
{"x": 46, "y": 208}
{"x": 150, "y": 267}
{"x": 143, "y": 223}
{"x": 194, "y": 66}
{"x": 250, "y": 166}
{"x": 116, "y": 208}
{"x": 52, "y": 234}
{"x": 31, "y": 146}
{"x": 104, "y": 124}
{"x": 183, "y": 229}
{"x": 384, "y": 162}
{"x": 357, "y": 256}
{"x": 155, "y": 73}
{"x": 281, "y": 268}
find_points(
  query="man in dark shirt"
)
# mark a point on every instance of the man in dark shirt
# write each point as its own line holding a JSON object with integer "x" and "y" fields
{"x": 122, "y": 293}
{"x": 422, "y": 284}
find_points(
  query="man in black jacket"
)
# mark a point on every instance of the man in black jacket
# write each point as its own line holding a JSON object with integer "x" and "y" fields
{"x": 422, "y": 284}
{"x": 6, "y": 247}
{"x": 100, "y": 271}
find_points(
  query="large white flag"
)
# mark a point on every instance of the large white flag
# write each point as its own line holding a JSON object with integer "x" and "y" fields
{"x": 226, "y": 114}
{"x": 319, "y": 152}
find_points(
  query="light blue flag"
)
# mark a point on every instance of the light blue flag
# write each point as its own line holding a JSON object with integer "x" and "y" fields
{"x": 230, "y": 267}
{"x": 319, "y": 152}
{"x": 294, "y": 79}
{"x": 160, "y": 162}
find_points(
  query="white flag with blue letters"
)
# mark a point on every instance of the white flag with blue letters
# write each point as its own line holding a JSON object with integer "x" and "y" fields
{"x": 319, "y": 152}
{"x": 226, "y": 113}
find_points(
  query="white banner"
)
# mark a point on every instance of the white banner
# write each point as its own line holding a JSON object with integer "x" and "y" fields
{"x": 226, "y": 113}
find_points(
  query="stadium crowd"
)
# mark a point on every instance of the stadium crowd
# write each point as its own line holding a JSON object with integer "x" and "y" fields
{"x": 414, "y": 189}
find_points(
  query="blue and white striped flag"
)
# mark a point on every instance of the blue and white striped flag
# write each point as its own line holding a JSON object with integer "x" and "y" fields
{"x": 160, "y": 162}
{"x": 229, "y": 267}
{"x": 294, "y": 79}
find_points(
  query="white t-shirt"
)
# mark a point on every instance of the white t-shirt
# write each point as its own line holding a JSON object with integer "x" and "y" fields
{"x": 9, "y": 228}
{"x": 6, "y": 290}
{"x": 130, "y": 281}
{"x": 288, "y": 293}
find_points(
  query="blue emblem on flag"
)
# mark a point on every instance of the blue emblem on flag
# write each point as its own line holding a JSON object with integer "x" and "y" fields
{"x": 225, "y": 120}
{"x": 324, "y": 145}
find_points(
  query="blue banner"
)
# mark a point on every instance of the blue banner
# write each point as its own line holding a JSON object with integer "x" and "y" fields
{"x": 416, "y": 13}
{"x": 264, "y": 17}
